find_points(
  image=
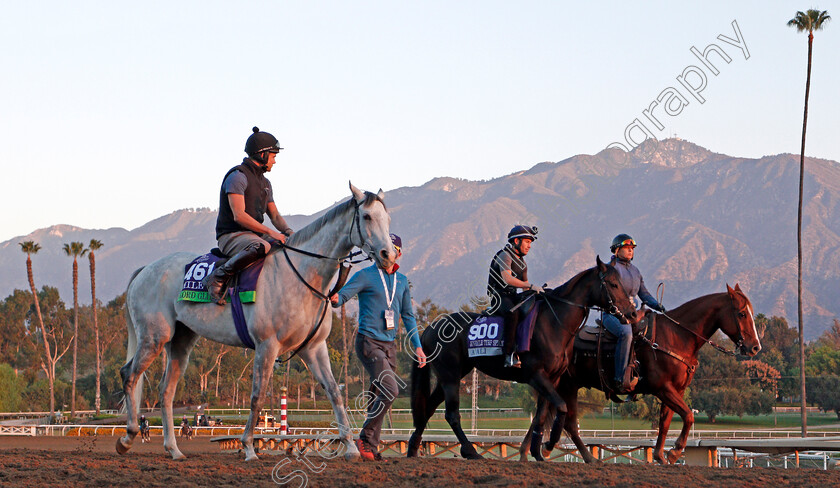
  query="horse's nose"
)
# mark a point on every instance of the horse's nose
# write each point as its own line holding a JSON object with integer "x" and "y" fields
{"x": 385, "y": 255}
{"x": 755, "y": 349}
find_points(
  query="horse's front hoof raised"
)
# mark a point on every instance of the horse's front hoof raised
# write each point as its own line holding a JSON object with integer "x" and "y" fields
{"x": 122, "y": 448}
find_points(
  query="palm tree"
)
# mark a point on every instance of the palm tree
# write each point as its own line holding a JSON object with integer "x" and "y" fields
{"x": 75, "y": 249}
{"x": 50, "y": 357}
{"x": 94, "y": 246}
{"x": 809, "y": 21}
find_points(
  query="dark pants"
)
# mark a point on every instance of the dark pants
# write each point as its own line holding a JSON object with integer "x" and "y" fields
{"x": 511, "y": 321}
{"x": 380, "y": 361}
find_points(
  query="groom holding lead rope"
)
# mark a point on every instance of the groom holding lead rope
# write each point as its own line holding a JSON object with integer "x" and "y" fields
{"x": 384, "y": 297}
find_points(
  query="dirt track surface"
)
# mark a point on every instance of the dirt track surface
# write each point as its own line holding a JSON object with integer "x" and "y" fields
{"x": 91, "y": 461}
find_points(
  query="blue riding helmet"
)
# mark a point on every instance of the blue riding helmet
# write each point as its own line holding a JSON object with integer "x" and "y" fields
{"x": 523, "y": 231}
{"x": 621, "y": 240}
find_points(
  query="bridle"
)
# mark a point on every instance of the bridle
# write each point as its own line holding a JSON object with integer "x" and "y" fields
{"x": 738, "y": 345}
{"x": 611, "y": 307}
{"x": 362, "y": 246}
{"x": 345, "y": 263}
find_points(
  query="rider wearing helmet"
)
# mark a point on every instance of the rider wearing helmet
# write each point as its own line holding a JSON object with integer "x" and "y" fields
{"x": 508, "y": 272}
{"x": 623, "y": 249}
{"x": 245, "y": 197}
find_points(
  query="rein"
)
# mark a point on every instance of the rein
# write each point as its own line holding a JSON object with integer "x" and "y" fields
{"x": 344, "y": 270}
{"x": 656, "y": 347}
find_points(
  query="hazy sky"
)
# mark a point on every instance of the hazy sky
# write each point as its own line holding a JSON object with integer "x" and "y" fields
{"x": 115, "y": 113}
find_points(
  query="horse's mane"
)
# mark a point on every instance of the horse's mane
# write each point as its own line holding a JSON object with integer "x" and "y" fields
{"x": 693, "y": 302}
{"x": 568, "y": 286}
{"x": 309, "y": 230}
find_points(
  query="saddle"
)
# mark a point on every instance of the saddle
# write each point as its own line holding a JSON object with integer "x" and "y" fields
{"x": 597, "y": 342}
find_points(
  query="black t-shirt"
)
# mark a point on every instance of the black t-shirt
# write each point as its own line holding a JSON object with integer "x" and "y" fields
{"x": 506, "y": 259}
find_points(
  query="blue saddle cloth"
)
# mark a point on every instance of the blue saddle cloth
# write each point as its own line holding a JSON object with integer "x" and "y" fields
{"x": 242, "y": 289}
{"x": 486, "y": 337}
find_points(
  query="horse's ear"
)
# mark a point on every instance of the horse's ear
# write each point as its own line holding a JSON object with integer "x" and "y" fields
{"x": 737, "y": 287}
{"x": 358, "y": 195}
{"x": 601, "y": 266}
{"x": 729, "y": 289}
{"x": 380, "y": 194}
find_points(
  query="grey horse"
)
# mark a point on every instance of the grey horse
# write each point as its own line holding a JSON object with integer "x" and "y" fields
{"x": 289, "y": 305}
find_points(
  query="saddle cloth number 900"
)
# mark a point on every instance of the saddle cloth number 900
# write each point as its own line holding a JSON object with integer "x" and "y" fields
{"x": 485, "y": 338}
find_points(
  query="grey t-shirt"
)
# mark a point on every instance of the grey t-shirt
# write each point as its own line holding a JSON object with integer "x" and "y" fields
{"x": 236, "y": 182}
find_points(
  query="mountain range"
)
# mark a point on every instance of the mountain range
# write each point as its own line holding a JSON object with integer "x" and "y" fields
{"x": 701, "y": 220}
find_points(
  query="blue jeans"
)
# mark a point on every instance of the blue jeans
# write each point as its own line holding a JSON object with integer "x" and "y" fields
{"x": 624, "y": 334}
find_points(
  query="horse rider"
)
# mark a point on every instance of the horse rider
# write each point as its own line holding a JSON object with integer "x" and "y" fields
{"x": 186, "y": 429}
{"x": 144, "y": 424}
{"x": 384, "y": 297}
{"x": 245, "y": 197}
{"x": 623, "y": 248}
{"x": 508, "y": 273}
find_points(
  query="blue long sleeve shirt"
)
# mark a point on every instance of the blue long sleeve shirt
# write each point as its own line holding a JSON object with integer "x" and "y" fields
{"x": 373, "y": 302}
{"x": 633, "y": 282}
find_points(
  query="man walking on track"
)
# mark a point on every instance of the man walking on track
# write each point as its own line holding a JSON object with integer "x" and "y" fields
{"x": 384, "y": 297}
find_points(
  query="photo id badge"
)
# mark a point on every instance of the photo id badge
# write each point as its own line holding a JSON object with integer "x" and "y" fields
{"x": 389, "y": 319}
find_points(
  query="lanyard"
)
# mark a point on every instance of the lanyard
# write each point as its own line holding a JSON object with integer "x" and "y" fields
{"x": 390, "y": 299}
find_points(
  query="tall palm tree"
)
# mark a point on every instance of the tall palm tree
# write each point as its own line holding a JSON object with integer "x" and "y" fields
{"x": 809, "y": 21}
{"x": 30, "y": 248}
{"x": 75, "y": 250}
{"x": 94, "y": 246}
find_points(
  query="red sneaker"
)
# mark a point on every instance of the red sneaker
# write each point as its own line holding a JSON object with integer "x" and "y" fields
{"x": 365, "y": 450}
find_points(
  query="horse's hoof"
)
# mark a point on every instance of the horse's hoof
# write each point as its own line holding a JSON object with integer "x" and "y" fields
{"x": 352, "y": 456}
{"x": 472, "y": 455}
{"x": 252, "y": 457}
{"x": 177, "y": 455}
{"x": 122, "y": 448}
{"x": 673, "y": 456}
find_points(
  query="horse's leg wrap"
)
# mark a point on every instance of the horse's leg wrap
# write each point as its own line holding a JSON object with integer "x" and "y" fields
{"x": 554, "y": 435}
{"x": 536, "y": 445}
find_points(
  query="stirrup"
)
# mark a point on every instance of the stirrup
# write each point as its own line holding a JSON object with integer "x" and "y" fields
{"x": 210, "y": 282}
{"x": 513, "y": 361}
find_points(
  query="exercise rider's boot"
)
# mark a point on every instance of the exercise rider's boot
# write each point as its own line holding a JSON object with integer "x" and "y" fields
{"x": 216, "y": 282}
{"x": 511, "y": 322}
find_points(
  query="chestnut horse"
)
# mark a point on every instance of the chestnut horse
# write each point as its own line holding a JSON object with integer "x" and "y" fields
{"x": 562, "y": 312}
{"x": 667, "y": 356}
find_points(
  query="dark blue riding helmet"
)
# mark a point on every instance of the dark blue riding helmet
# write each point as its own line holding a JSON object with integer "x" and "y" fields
{"x": 523, "y": 231}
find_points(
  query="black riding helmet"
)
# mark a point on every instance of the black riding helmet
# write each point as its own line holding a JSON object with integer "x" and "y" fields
{"x": 621, "y": 240}
{"x": 259, "y": 143}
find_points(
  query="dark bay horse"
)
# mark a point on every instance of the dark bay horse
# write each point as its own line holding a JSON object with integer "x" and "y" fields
{"x": 445, "y": 343}
{"x": 665, "y": 372}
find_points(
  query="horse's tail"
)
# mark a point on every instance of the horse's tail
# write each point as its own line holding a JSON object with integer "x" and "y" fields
{"x": 131, "y": 347}
{"x": 421, "y": 380}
